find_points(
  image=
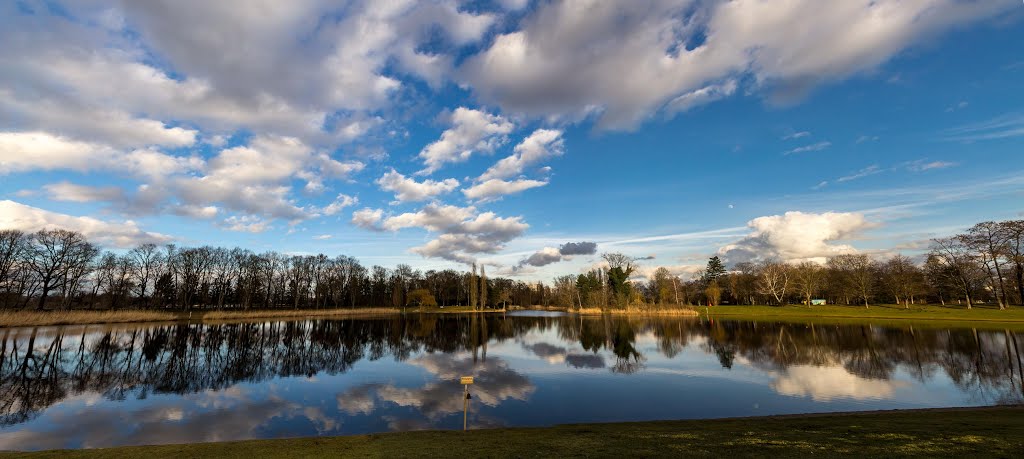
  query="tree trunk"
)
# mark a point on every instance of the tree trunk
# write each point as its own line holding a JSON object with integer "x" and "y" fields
{"x": 1020, "y": 282}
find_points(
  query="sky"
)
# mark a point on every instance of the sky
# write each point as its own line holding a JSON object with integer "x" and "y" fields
{"x": 527, "y": 136}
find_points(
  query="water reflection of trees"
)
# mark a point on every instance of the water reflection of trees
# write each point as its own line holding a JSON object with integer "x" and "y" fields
{"x": 42, "y": 366}
{"x": 984, "y": 363}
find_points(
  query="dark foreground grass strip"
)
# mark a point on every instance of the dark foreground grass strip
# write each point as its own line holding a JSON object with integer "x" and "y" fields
{"x": 982, "y": 432}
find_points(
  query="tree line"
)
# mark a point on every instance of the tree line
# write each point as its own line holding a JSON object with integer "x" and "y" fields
{"x": 60, "y": 269}
{"x": 984, "y": 264}
{"x": 56, "y": 269}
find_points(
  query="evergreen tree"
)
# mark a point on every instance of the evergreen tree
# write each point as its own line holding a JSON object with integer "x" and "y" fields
{"x": 714, "y": 270}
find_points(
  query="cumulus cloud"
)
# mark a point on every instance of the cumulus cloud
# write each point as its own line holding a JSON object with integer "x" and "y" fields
{"x": 462, "y": 232}
{"x": 549, "y": 255}
{"x": 66, "y": 191}
{"x": 341, "y": 202}
{"x": 124, "y": 234}
{"x": 543, "y": 257}
{"x": 36, "y": 150}
{"x": 486, "y": 233}
{"x": 245, "y": 223}
{"x": 567, "y": 61}
{"x": 542, "y": 144}
{"x": 578, "y": 248}
{"x": 797, "y": 236}
{"x": 407, "y": 189}
{"x": 471, "y": 131}
{"x": 368, "y": 218}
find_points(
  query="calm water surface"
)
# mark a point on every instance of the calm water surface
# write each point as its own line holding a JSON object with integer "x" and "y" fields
{"x": 106, "y": 385}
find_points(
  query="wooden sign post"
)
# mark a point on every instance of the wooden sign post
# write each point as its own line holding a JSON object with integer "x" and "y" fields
{"x": 465, "y": 381}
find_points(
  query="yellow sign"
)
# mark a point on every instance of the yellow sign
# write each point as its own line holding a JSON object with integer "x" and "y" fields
{"x": 466, "y": 380}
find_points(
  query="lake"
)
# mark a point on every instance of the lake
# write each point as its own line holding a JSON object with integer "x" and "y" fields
{"x": 107, "y": 385}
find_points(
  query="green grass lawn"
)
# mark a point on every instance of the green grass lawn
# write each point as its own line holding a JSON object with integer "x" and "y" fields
{"x": 981, "y": 316}
{"x": 983, "y": 432}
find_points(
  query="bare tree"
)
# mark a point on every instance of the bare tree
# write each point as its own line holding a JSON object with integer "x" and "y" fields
{"x": 56, "y": 255}
{"x": 959, "y": 264}
{"x": 773, "y": 280}
{"x": 13, "y": 246}
{"x": 990, "y": 240}
{"x": 902, "y": 278}
{"x": 147, "y": 262}
{"x": 808, "y": 278}
{"x": 860, "y": 273}
{"x": 1013, "y": 232}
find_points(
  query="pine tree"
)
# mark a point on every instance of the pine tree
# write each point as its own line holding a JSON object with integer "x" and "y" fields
{"x": 714, "y": 270}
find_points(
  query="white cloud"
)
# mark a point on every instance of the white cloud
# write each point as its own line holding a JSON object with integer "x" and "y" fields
{"x": 246, "y": 223}
{"x": 485, "y": 233}
{"x": 494, "y": 188}
{"x": 26, "y": 151}
{"x": 432, "y": 217}
{"x": 66, "y": 191}
{"x": 368, "y": 218}
{"x": 203, "y": 212}
{"x": 471, "y": 131}
{"x": 567, "y": 59}
{"x": 341, "y": 202}
{"x": 797, "y": 236}
{"x": 407, "y": 189}
{"x": 542, "y": 144}
{"x": 701, "y": 96}
{"x": 463, "y": 232}
{"x": 125, "y": 234}
{"x": 37, "y": 150}
{"x": 112, "y": 127}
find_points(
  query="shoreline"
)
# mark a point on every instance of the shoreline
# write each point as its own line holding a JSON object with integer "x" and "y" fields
{"x": 92, "y": 317}
{"x": 933, "y": 315}
{"x": 994, "y": 431}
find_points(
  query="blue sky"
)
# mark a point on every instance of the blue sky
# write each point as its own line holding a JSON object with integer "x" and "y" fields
{"x": 669, "y": 130}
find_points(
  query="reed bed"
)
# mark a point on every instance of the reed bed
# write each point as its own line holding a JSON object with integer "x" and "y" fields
{"x": 41, "y": 318}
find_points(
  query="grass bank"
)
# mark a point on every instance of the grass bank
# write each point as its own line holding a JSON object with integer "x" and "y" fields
{"x": 973, "y": 432}
{"x": 982, "y": 316}
{"x": 677, "y": 311}
{"x": 40, "y": 318}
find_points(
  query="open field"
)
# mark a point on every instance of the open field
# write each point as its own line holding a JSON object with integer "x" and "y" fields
{"x": 966, "y": 432}
{"x": 39, "y": 318}
{"x": 981, "y": 316}
{"x": 676, "y": 311}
